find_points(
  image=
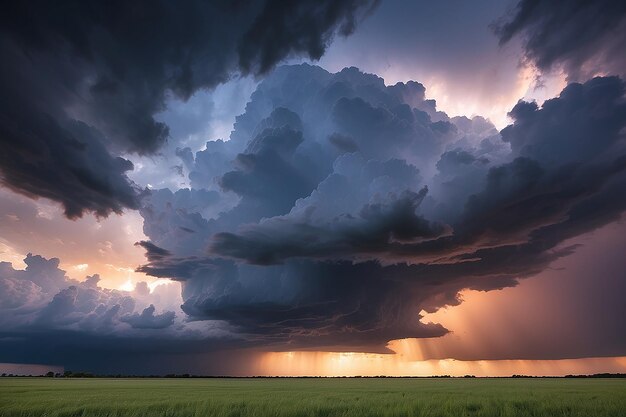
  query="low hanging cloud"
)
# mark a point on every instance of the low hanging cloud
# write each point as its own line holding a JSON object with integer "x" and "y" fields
{"x": 148, "y": 320}
{"x": 81, "y": 81}
{"x": 585, "y": 38}
{"x": 350, "y": 207}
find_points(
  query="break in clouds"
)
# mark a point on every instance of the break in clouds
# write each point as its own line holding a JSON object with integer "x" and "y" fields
{"x": 338, "y": 211}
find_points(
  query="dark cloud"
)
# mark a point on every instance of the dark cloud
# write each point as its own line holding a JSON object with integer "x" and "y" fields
{"x": 555, "y": 135}
{"x": 339, "y": 247}
{"x": 339, "y": 210}
{"x": 287, "y": 240}
{"x": 81, "y": 81}
{"x": 585, "y": 37}
{"x": 266, "y": 165}
{"x": 153, "y": 252}
{"x": 366, "y": 236}
{"x": 68, "y": 164}
{"x": 281, "y": 29}
{"x": 456, "y": 158}
{"x": 206, "y": 165}
{"x": 343, "y": 143}
{"x": 404, "y": 128}
{"x": 148, "y": 320}
{"x": 310, "y": 304}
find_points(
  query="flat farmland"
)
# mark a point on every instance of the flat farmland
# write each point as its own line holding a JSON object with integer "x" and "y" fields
{"x": 312, "y": 397}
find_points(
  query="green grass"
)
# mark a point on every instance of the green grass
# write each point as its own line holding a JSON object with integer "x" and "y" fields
{"x": 312, "y": 397}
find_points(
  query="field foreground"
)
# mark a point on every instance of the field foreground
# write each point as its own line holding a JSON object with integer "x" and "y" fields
{"x": 312, "y": 397}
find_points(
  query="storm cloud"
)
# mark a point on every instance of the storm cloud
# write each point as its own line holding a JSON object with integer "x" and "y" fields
{"x": 287, "y": 241}
{"x": 583, "y": 37}
{"x": 339, "y": 212}
{"x": 81, "y": 81}
{"x": 334, "y": 246}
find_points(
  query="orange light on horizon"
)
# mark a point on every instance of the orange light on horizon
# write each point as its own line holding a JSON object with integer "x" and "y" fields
{"x": 367, "y": 364}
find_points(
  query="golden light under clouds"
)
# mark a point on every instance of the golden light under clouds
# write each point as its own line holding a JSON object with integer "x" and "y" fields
{"x": 471, "y": 332}
{"x": 511, "y": 321}
{"x": 483, "y": 322}
{"x": 366, "y": 364}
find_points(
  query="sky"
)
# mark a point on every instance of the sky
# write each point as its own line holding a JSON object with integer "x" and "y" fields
{"x": 314, "y": 188}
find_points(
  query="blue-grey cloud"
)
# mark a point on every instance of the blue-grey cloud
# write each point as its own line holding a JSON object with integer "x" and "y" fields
{"x": 42, "y": 299}
{"x": 342, "y": 246}
{"x": 289, "y": 241}
{"x": 148, "y": 320}
{"x": 82, "y": 81}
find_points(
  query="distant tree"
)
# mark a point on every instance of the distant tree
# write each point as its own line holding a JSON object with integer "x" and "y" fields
{"x": 50, "y": 374}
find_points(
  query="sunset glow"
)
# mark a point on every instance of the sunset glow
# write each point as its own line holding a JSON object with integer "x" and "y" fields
{"x": 399, "y": 364}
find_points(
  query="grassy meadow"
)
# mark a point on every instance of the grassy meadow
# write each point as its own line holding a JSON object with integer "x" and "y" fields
{"x": 312, "y": 397}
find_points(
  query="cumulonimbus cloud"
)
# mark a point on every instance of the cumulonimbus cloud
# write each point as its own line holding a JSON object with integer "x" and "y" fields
{"x": 287, "y": 240}
{"x": 339, "y": 210}
{"x": 331, "y": 245}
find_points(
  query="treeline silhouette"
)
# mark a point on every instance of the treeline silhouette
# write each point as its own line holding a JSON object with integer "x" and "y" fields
{"x": 70, "y": 374}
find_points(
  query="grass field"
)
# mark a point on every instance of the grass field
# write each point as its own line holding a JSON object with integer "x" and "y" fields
{"x": 312, "y": 397}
